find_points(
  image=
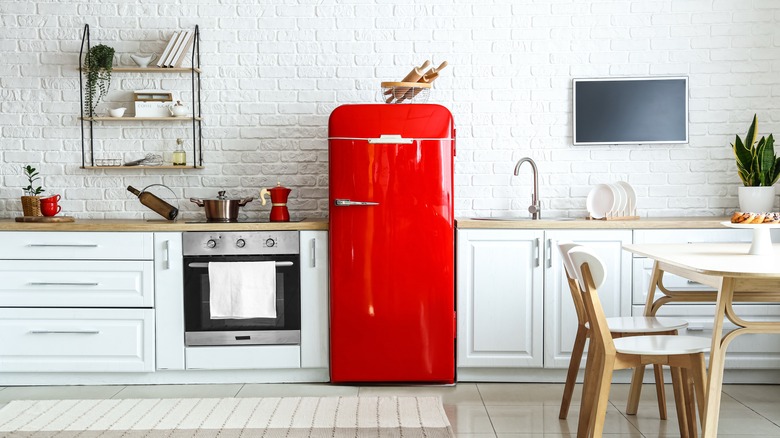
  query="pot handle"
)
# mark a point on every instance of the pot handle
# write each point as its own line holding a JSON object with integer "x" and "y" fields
{"x": 197, "y": 201}
{"x": 245, "y": 201}
{"x": 262, "y": 195}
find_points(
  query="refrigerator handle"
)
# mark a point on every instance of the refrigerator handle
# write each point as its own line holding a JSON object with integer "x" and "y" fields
{"x": 390, "y": 139}
{"x": 350, "y": 203}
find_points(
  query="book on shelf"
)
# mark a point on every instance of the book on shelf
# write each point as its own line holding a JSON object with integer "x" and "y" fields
{"x": 183, "y": 47}
{"x": 179, "y": 39}
{"x": 167, "y": 51}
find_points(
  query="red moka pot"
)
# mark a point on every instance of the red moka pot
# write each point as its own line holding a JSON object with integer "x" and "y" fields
{"x": 279, "y": 194}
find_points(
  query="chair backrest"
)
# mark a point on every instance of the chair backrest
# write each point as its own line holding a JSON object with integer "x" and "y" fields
{"x": 571, "y": 276}
{"x": 591, "y": 274}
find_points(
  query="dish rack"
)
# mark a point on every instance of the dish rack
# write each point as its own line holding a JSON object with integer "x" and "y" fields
{"x": 405, "y": 92}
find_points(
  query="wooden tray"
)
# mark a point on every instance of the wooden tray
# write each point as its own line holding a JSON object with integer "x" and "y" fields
{"x": 45, "y": 219}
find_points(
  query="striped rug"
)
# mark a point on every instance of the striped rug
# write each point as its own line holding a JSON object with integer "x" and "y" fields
{"x": 271, "y": 417}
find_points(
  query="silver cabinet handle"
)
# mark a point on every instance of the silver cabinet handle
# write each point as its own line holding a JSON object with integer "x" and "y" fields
{"x": 548, "y": 248}
{"x": 313, "y": 253}
{"x": 60, "y": 283}
{"x": 206, "y": 265}
{"x": 65, "y": 332}
{"x": 166, "y": 255}
{"x": 350, "y": 203}
{"x": 536, "y": 247}
{"x": 63, "y": 245}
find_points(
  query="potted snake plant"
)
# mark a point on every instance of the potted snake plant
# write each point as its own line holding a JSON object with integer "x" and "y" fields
{"x": 758, "y": 168}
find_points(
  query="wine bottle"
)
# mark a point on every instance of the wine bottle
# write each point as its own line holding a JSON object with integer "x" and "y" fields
{"x": 157, "y": 205}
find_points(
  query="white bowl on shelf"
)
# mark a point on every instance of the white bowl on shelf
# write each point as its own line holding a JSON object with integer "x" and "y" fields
{"x": 117, "y": 112}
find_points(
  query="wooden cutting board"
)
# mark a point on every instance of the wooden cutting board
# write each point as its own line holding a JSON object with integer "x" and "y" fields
{"x": 45, "y": 219}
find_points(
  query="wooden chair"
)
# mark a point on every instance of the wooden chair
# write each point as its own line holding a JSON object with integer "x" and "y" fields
{"x": 619, "y": 327}
{"x": 684, "y": 354}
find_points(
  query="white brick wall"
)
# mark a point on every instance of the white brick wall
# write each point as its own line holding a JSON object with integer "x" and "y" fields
{"x": 273, "y": 72}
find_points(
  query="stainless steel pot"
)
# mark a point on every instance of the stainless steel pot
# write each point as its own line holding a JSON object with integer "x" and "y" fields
{"x": 222, "y": 209}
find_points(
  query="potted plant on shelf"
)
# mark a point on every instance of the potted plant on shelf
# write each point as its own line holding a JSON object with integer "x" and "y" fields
{"x": 759, "y": 169}
{"x": 31, "y": 202}
{"x": 97, "y": 65}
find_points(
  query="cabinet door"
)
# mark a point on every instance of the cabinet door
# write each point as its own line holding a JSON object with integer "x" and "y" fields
{"x": 168, "y": 286}
{"x": 499, "y": 289}
{"x": 560, "y": 318}
{"x": 314, "y": 299}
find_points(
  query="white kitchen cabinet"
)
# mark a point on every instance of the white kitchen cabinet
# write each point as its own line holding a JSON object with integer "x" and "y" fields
{"x": 169, "y": 294}
{"x": 75, "y": 283}
{"x": 314, "y": 299}
{"x": 87, "y": 306}
{"x": 560, "y": 319}
{"x": 499, "y": 299}
{"x": 76, "y": 340}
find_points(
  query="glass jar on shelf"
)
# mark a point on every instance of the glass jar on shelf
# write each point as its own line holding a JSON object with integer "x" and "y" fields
{"x": 179, "y": 155}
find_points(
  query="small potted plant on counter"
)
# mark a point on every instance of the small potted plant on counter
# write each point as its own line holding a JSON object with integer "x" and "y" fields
{"x": 31, "y": 202}
{"x": 759, "y": 169}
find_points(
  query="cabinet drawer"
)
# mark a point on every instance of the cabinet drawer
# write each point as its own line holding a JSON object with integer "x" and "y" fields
{"x": 643, "y": 272}
{"x": 745, "y": 352}
{"x": 77, "y": 340}
{"x": 55, "y": 283}
{"x": 75, "y": 245}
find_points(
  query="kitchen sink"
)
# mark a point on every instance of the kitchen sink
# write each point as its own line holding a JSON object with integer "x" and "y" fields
{"x": 520, "y": 218}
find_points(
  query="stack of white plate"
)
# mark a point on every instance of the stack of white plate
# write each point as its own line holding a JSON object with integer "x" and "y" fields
{"x": 611, "y": 200}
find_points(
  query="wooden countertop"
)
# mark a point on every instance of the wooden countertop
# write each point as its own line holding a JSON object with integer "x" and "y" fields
{"x": 160, "y": 225}
{"x": 546, "y": 224}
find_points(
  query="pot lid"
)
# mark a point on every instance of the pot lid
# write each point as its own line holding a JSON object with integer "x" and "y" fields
{"x": 222, "y": 197}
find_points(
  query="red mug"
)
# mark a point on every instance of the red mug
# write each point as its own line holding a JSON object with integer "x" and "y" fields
{"x": 50, "y": 208}
{"x": 54, "y": 199}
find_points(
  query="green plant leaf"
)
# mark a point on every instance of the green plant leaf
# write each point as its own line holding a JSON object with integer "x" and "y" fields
{"x": 743, "y": 157}
{"x": 750, "y": 138}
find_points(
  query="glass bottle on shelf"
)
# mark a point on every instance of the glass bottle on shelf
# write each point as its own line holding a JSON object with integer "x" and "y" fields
{"x": 179, "y": 155}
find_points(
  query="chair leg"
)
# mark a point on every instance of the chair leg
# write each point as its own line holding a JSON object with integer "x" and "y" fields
{"x": 599, "y": 413}
{"x": 574, "y": 367}
{"x": 679, "y": 401}
{"x": 690, "y": 403}
{"x": 635, "y": 391}
{"x": 658, "y": 371}
{"x": 589, "y": 390}
{"x": 698, "y": 374}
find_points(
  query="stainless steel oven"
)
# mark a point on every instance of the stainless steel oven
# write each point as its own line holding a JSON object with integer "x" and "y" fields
{"x": 281, "y": 247}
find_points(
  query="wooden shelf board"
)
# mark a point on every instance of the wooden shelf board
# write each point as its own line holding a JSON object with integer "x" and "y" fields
{"x": 139, "y": 119}
{"x": 144, "y": 167}
{"x": 154, "y": 69}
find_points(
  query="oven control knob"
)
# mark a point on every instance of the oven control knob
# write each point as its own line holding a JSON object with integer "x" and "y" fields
{"x": 240, "y": 243}
{"x": 270, "y": 242}
{"x": 211, "y": 243}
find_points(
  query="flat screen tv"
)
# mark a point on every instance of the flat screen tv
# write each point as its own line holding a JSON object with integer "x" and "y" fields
{"x": 630, "y": 110}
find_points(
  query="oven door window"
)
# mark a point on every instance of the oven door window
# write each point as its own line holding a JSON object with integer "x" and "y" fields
{"x": 197, "y": 315}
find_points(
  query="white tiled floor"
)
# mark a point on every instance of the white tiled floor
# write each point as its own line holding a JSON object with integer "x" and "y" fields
{"x": 481, "y": 409}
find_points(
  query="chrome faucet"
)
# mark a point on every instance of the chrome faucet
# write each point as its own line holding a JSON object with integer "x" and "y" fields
{"x": 536, "y": 207}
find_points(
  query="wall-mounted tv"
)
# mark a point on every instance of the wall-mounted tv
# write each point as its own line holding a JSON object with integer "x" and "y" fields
{"x": 630, "y": 110}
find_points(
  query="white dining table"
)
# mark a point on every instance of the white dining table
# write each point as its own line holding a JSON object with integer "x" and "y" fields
{"x": 736, "y": 275}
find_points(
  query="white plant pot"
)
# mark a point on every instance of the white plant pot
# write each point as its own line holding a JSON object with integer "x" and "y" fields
{"x": 757, "y": 199}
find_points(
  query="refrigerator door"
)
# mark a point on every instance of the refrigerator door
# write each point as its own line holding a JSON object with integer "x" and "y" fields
{"x": 392, "y": 248}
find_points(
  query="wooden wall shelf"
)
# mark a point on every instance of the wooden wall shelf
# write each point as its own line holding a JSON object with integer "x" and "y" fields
{"x": 87, "y": 137}
{"x": 140, "y": 119}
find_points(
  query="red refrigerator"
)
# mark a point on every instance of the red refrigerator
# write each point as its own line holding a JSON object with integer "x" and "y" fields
{"x": 392, "y": 244}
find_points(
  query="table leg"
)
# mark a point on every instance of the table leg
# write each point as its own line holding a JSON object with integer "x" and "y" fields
{"x": 655, "y": 279}
{"x": 717, "y": 359}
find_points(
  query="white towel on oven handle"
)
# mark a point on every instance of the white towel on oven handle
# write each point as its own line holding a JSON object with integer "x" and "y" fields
{"x": 240, "y": 290}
